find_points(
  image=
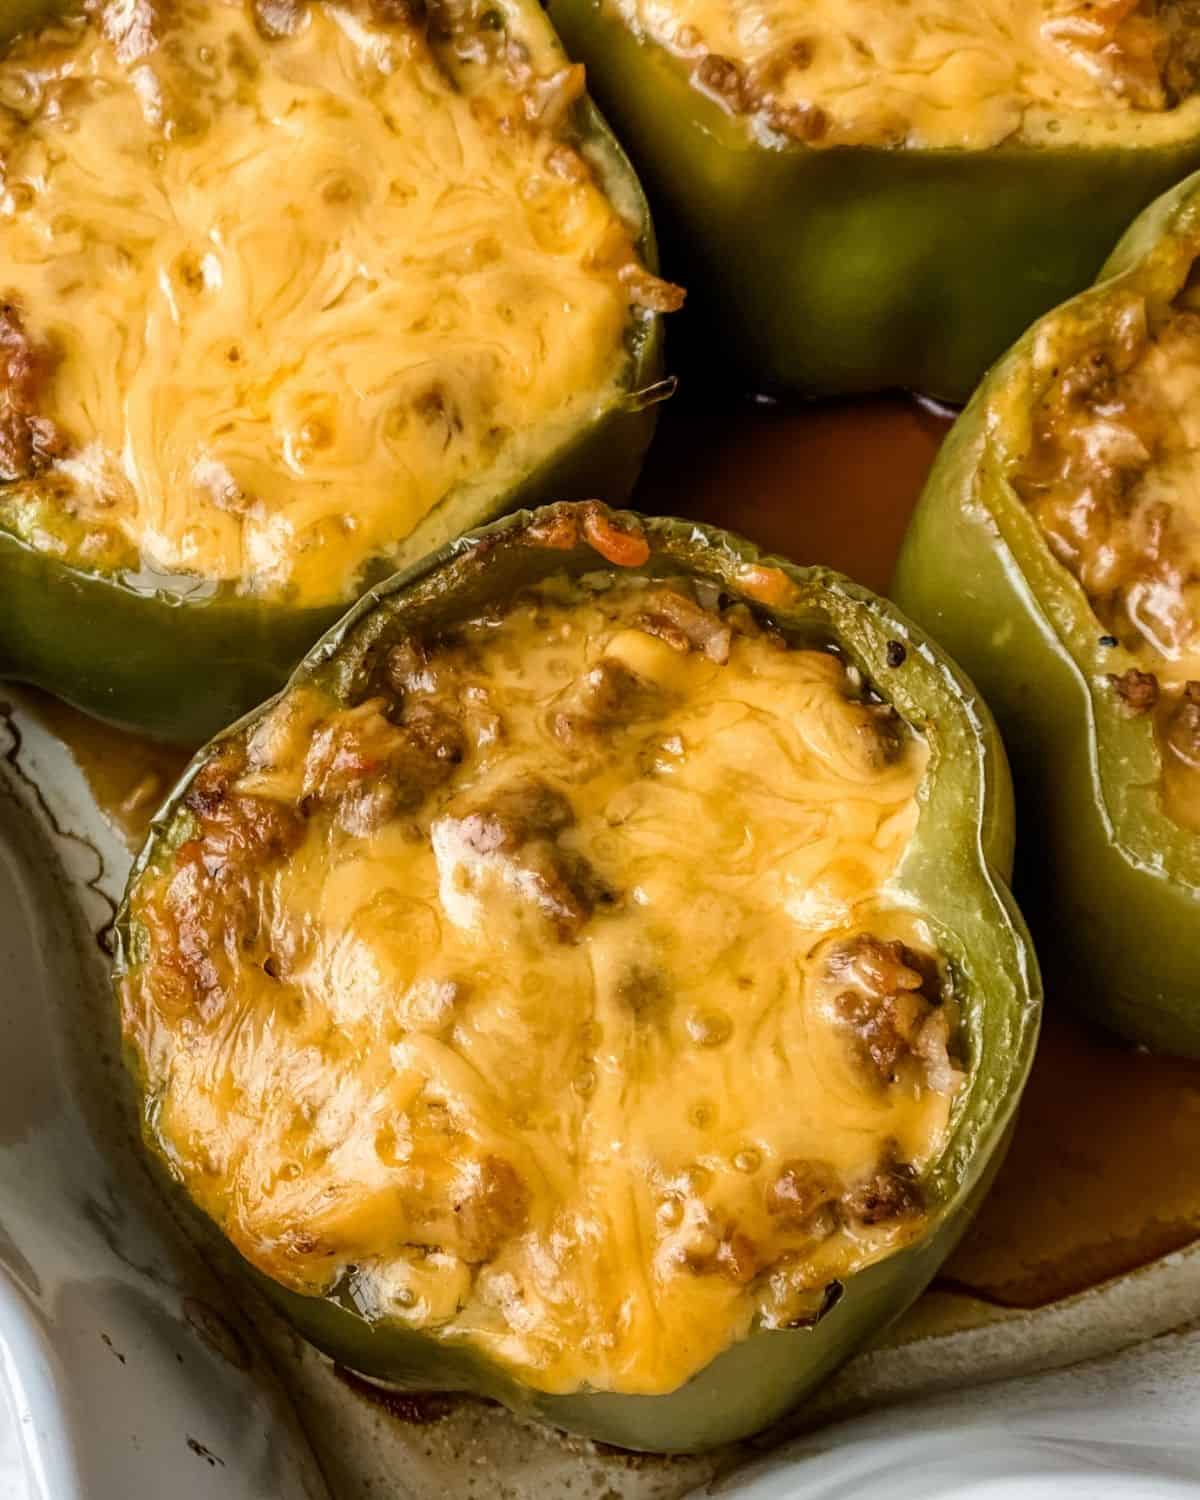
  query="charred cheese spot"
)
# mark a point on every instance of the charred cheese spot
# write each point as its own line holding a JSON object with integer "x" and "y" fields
{"x": 554, "y": 1057}
{"x": 940, "y": 74}
{"x": 1112, "y": 476}
{"x": 279, "y": 279}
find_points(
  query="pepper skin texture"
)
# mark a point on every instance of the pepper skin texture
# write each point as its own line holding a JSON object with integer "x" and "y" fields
{"x": 831, "y": 271}
{"x": 178, "y": 658}
{"x": 1113, "y": 881}
{"x": 954, "y": 873}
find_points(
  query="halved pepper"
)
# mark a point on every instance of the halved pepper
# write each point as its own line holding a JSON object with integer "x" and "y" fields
{"x": 950, "y": 881}
{"x": 277, "y": 423}
{"x": 1050, "y": 554}
{"x": 826, "y": 268}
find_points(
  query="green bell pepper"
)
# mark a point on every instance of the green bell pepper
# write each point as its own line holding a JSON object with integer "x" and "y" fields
{"x": 953, "y": 873}
{"x": 834, "y": 270}
{"x": 179, "y": 657}
{"x": 1113, "y": 881}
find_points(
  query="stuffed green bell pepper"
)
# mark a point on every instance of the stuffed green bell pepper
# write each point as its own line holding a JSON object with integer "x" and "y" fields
{"x": 863, "y": 194}
{"x": 591, "y": 982}
{"x": 293, "y": 290}
{"x": 1056, "y": 553}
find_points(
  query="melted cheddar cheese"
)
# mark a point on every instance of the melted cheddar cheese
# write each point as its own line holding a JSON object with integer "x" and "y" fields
{"x": 1112, "y": 477}
{"x": 293, "y": 274}
{"x": 557, "y": 998}
{"x": 941, "y": 73}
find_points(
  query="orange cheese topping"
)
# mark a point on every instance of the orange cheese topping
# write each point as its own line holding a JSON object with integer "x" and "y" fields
{"x": 557, "y": 999}
{"x": 283, "y": 278}
{"x": 942, "y": 73}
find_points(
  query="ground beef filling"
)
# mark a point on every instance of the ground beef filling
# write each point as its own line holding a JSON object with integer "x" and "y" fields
{"x": 29, "y": 441}
{"x": 1113, "y": 479}
{"x": 546, "y": 997}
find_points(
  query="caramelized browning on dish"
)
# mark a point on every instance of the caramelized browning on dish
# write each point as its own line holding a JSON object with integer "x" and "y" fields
{"x": 554, "y": 998}
{"x": 941, "y": 74}
{"x": 1113, "y": 478}
{"x": 282, "y": 275}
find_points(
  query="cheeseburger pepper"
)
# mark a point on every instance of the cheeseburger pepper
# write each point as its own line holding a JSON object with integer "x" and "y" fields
{"x": 592, "y": 982}
{"x": 1056, "y": 553}
{"x": 862, "y": 195}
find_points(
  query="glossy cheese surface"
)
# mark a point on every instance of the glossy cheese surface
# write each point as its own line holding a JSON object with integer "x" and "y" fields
{"x": 956, "y": 74}
{"x": 557, "y": 999}
{"x": 288, "y": 275}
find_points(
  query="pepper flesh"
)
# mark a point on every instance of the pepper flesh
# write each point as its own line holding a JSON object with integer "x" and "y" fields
{"x": 953, "y": 870}
{"x": 851, "y": 269}
{"x": 1114, "y": 880}
{"x": 177, "y": 657}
